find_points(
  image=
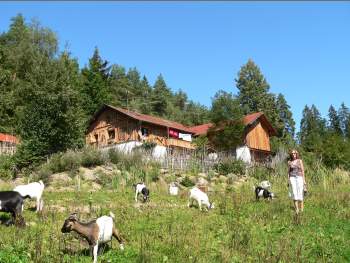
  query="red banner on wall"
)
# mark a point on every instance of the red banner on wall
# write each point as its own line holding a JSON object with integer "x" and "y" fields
{"x": 173, "y": 133}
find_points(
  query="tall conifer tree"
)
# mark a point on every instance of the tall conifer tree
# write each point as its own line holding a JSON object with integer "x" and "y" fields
{"x": 253, "y": 93}
{"x": 334, "y": 121}
{"x": 95, "y": 89}
{"x": 344, "y": 119}
{"x": 227, "y": 116}
{"x": 160, "y": 97}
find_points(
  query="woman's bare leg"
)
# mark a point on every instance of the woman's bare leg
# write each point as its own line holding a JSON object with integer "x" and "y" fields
{"x": 301, "y": 206}
{"x": 296, "y": 207}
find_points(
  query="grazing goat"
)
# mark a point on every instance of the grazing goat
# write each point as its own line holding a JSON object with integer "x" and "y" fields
{"x": 141, "y": 188}
{"x": 265, "y": 184}
{"x": 173, "y": 189}
{"x": 201, "y": 198}
{"x": 95, "y": 232}
{"x": 12, "y": 202}
{"x": 33, "y": 190}
{"x": 262, "y": 192}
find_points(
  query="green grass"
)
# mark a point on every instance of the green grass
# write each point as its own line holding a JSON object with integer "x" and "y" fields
{"x": 239, "y": 229}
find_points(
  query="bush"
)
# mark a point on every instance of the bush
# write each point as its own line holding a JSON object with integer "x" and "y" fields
{"x": 231, "y": 166}
{"x": 187, "y": 182}
{"x": 7, "y": 164}
{"x": 115, "y": 156}
{"x": 260, "y": 173}
{"x": 91, "y": 157}
{"x": 44, "y": 172}
{"x": 132, "y": 160}
{"x": 61, "y": 162}
{"x": 153, "y": 173}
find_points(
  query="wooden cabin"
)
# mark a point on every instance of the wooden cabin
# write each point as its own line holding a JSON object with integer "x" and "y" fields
{"x": 112, "y": 126}
{"x": 257, "y": 133}
{"x": 8, "y": 143}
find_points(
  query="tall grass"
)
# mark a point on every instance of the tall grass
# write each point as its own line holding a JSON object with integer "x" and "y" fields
{"x": 239, "y": 229}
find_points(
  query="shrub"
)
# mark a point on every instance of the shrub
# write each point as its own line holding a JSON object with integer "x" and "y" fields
{"x": 7, "y": 165}
{"x": 231, "y": 166}
{"x": 260, "y": 173}
{"x": 115, "y": 156}
{"x": 148, "y": 146}
{"x": 187, "y": 182}
{"x": 61, "y": 162}
{"x": 91, "y": 157}
{"x": 44, "y": 172}
{"x": 153, "y": 173}
{"x": 132, "y": 160}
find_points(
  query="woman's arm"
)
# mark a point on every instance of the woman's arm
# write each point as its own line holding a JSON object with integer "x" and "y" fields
{"x": 302, "y": 170}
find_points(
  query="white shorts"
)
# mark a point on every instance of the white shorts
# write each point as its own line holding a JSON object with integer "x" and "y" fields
{"x": 296, "y": 188}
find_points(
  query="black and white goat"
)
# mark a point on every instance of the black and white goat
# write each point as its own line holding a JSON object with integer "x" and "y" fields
{"x": 12, "y": 202}
{"x": 265, "y": 184}
{"x": 141, "y": 188}
{"x": 262, "y": 192}
{"x": 200, "y": 197}
{"x": 33, "y": 190}
{"x": 95, "y": 232}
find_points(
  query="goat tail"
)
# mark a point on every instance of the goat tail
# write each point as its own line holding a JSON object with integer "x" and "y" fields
{"x": 41, "y": 183}
{"x": 25, "y": 197}
{"x": 112, "y": 215}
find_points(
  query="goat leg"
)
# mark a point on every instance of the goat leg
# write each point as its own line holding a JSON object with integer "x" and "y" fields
{"x": 117, "y": 235}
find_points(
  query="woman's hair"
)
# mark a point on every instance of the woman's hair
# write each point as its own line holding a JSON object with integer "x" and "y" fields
{"x": 291, "y": 154}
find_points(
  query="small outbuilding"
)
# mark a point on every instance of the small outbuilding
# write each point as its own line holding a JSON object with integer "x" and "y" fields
{"x": 8, "y": 143}
{"x": 256, "y": 140}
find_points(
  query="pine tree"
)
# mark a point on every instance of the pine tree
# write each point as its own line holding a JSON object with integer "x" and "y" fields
{"x": 226, "y": 115}
{"x": 119, "y": 87}
{"x": 134, "y": 79}
{"x": 287, "y": 126}
{"x": 344, "y": 119}
{"x": 312, "y": 129}
{"x": 95, "y": 89}
{"x": 334, "y": 121}
{"x": 145, "y": 103}
{"x": 253, "y": 93}
{"x": 160, "y": 96}
{"x": 180, "y": 100}
{"x": 196, "y": 114}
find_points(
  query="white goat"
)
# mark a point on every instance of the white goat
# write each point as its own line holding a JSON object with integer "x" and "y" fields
{"x": 201, "y": 198}
{"x": 33, "y": 190}
{"x": 95, "y": 232}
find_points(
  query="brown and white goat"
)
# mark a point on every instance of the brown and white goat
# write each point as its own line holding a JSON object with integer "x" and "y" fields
{"x": 95, "y": 232}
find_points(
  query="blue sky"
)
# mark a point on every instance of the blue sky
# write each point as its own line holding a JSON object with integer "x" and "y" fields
{"x": 302, "y": 48}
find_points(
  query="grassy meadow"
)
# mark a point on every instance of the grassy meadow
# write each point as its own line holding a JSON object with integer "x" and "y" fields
{"x": 238, "y": 229}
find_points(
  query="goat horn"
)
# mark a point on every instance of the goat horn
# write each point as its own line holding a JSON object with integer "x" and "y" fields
{"x": 75, "y": 214}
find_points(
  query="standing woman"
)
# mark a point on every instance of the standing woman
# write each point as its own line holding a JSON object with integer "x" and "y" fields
{"x": 296, "y": 180}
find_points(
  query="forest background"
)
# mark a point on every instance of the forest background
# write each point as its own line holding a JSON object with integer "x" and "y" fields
{"x": 47, "y": 101}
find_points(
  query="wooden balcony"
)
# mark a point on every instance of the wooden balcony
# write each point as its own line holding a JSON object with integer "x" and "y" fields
{"x": 180, "y": 143}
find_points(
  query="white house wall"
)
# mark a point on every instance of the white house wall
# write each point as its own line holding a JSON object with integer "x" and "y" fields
{"x": 243, "y": 153}
{"x": 158, "y": 152}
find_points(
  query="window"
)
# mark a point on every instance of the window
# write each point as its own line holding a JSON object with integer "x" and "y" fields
{"x": 111, "y": 134}
{"x": 144, "y": 131}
